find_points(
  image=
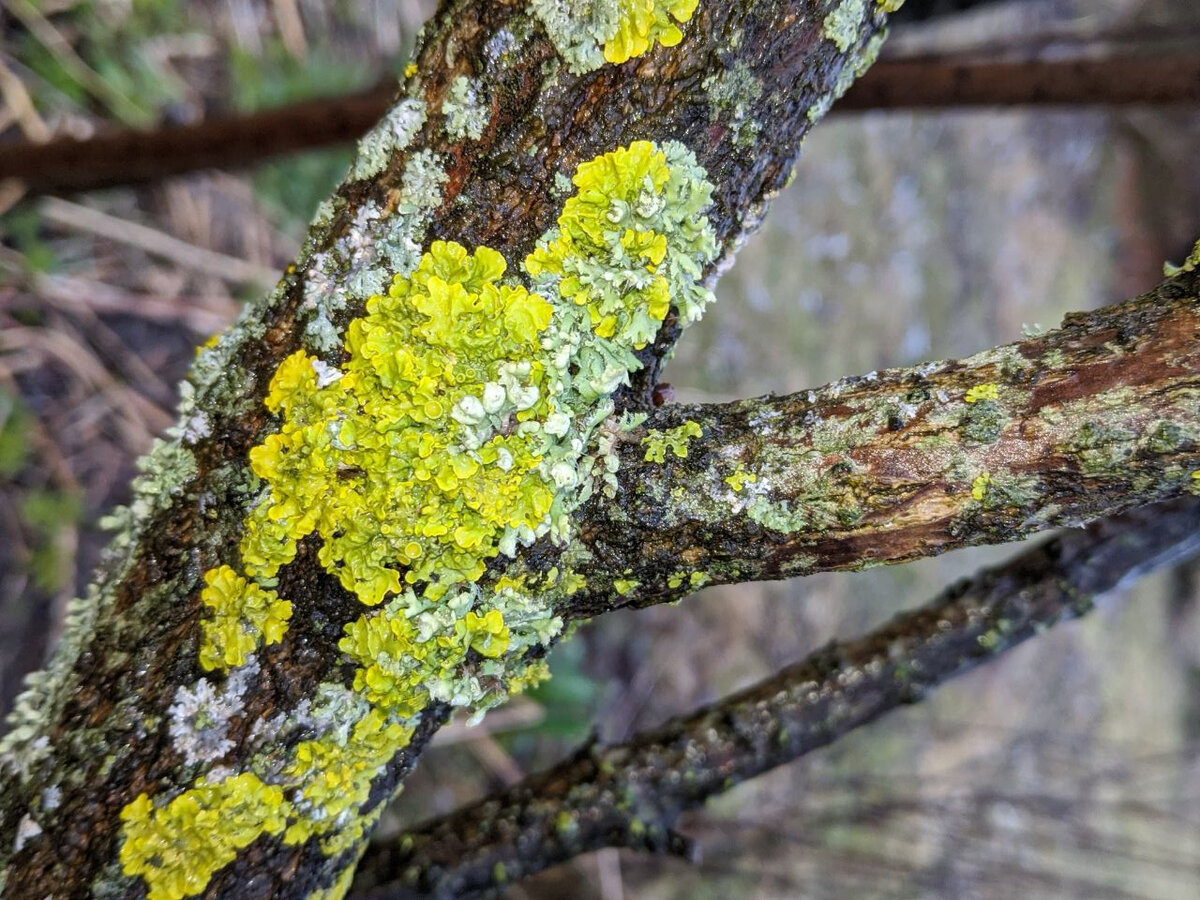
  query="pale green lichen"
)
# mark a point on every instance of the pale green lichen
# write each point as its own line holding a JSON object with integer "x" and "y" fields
{"x": 1191, "y": 264}
{"x": 456, "y": 426}
{"x": 889, "y": 6}
{"x": 842, "y": 23}
{"x": 588, "y": 33}
{"x": 466, "y": 115}
{"x": 1193, "y": 485}
{"x": 850, "y": 72}
{"x": 731, "y": 95}
{"x": 392, "y": 134}
{"x": 657, "y": 443}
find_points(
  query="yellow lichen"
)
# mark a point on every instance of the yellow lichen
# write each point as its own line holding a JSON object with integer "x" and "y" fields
{"x": 982, "y": 392}
{"x": 739, "y": 479}
{"x": 382, "y": 461}
{"x": 245, "y": 615}
{"x": 657, "y": 443}
{"x": 334, "y": 779}
{"x": 1189, "y": 265}
{"x": 453, "y": 429}
{"x": 337, "y": 890}
{"x": 979, "y": 487}
{"x": 641, "y": 23}
{"x": 178, "y": 847}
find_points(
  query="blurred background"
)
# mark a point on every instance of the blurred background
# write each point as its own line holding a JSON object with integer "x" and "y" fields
{"x": 1071, "y": 768}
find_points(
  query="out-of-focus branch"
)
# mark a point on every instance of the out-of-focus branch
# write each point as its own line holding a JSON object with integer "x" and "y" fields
{"x": 630, "y": 794}
{"x": 1085, "y": 421}
{"x": 132, "y": 156}
{"x": 940, "y": 83}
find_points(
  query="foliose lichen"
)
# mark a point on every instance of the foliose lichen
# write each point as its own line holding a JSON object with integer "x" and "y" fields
{"x": 1189, "y": 265}
{"x": 466, "y": 115}
{"x": 392, "y": 134}
{"x": 657, "y": 443}
{"x": 842, "y": 23}
{"x": 589, "y": 33}
{"x": 456, "y": 427}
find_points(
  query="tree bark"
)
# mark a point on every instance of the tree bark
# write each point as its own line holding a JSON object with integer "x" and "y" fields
{"x": 1081, "y": 422}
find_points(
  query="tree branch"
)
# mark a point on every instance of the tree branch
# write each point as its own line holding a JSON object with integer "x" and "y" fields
{"x": 1081, "y": 422}
{"x": 131, "y": 156}
{"x": 631, "y": 794}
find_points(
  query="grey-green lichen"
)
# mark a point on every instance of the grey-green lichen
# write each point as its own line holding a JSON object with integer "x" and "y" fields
{"x": 589, "y": 33}
{"x": 731, "y": 95}
{"x": 466, "y": 113}
{"x": 380, "y": 245}
{"x": 842, "y": 23}
{"x": 392, "y": 134}
{"x": 850, "y": 72}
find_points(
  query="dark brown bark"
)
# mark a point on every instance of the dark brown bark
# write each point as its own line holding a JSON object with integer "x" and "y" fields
{"x": 631, "y": 794}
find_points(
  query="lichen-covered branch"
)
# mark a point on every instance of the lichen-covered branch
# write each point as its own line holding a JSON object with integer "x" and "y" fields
{"x": 631, "y": 794}
{"x": 1095, "y": 417}
{"x": 356, "y": 524}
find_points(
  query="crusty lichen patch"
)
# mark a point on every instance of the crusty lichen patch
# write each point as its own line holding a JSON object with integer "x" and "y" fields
{"x": 456, "y": 427}
{"x": 589, "y": 33}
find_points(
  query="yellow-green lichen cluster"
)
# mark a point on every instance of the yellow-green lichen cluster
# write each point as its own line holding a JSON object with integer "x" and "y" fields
{"x": 642, "y": 23}
{"x": 657, "y": 443}
{"x": 589, "y": 33}
{"x": 1189, "y": 265}
{"x": 455, "y": 427}
{"x": 982, "y": 392}
{"x": 244, "y": 615}
{"x": 417, "y": 456}
{"x": 740, "y": 478}
{"x": 178, "y": 846}
{"x": 629, "y": 245}
{"x": 979, "y": 487}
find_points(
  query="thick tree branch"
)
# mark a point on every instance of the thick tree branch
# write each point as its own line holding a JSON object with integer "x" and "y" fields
{"x": 631, "y": 794}
{"x": 1090, "y": 419}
